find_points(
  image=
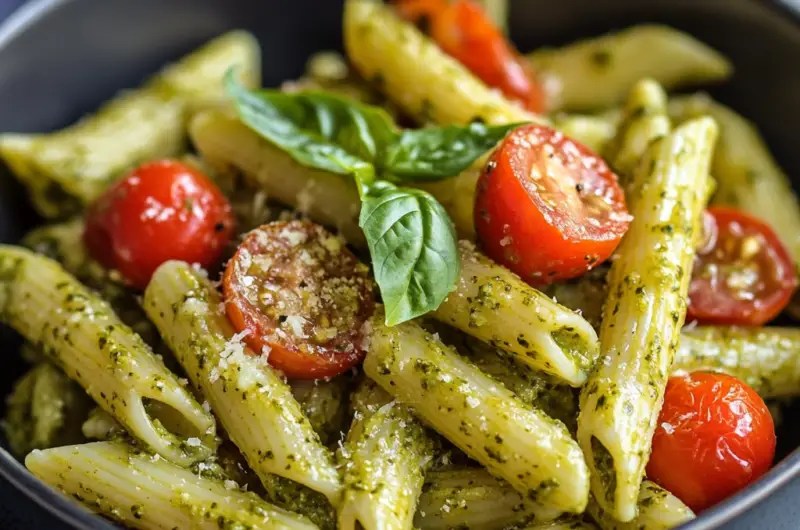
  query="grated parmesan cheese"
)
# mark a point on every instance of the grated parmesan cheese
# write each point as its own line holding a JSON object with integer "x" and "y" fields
{"x": 193, "y": 442}
{"x": 295, "y": 323}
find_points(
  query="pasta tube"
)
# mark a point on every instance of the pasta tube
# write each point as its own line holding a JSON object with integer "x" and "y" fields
{"x": 66, "y": 170}
{"x": 643, "y": 315}
{"x": 658, "y": 509}
{"x": 252, "y": 402}
{"x": 384, "y": 460}
{"x": 472, "y": 498}
{"x": 329, "y": 199}
{"x": 767, "y": 359}
{"x": 598, "y": 73}
{"x": 595, "y": 132}
{"x": 522, "y": 445}
{"x": 584, "y": 294}
{"x": 324, "y": 403}
{"x": 531, "y": 386}
{"x": 569, "y": 523}
{"x": 457, "y": 197}
{"x": 415, "y": 73}
{"x": 79, "y": 331}
{"x": 494, "y": 305}
{"x": 747, "y": 175}
{"x": 45, "y": 409}
{"x": 140, "y": 491}
{"x": 643, "y": 120}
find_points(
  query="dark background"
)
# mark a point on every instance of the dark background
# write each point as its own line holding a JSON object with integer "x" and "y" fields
{"x": 17, "y": 512}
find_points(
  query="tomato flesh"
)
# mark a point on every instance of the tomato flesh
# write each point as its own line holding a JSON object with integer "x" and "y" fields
{"x": 547, "y": 207}
{"x": 743, "y": 275}
{"x": 714, "y": 436}
{"x": 464, "y": 31}
{"x": 160, "y": 211}
{"x": 302, "y": 296}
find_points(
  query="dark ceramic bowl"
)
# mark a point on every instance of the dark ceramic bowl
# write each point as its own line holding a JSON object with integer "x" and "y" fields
{"x": 60, "y": 58}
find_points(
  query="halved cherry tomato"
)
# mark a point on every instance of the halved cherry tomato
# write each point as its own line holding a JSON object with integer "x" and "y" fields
{"x": 547, "y": 207}
{"x": 714, "y": 436}
{"x": 743, "y": 275}
{"x": 302, "y": 296}
{"x": 463, "y": 30}
{"x": 160, "y": 211}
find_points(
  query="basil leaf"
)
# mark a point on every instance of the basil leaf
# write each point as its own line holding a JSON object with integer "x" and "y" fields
{"x": 440, "y": 152}
{"x": 413, "y": 247}
{"x": 317, "y": 130}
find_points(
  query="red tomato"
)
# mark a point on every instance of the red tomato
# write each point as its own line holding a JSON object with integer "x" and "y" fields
{"x": 463, "y": 30}
{"x": 161, "y": 211}
{"x": 742, "y": 275}
{"x": 548, "y": 208}
{"x": 302, "y": 296}
{"x": 714, "y": 437}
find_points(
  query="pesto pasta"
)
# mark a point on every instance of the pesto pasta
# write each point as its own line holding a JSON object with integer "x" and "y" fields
{"x": 78, "y": 330}
{"x": 133, "y": 488}
{"x": 642, "y": 316}
{"x": 431, "y": 283}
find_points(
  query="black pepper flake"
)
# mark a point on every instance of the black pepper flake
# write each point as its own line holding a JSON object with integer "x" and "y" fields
{"x": 219, "y": 227}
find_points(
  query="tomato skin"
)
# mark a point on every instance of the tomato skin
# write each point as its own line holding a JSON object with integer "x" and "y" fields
{"x": 548, "y": 208}
{"x": 160, "y": 211}
{"x": 464, "y": 31}
{"x": 714, "y": 436}
{"x": 302, "y": 262}
{"x": 743, "y": 275}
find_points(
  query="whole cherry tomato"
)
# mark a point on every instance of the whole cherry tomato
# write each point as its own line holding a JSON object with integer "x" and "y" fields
{"x": 463, "y": 30}
{"x": 302, "y": 296}
{"x": 547, "y": 207}
{"x": 160, "y": 211}
{"x": 743, "y": 275}
{"x": 714, "y": 437}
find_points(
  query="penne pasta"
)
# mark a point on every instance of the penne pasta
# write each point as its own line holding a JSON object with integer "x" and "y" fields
{"x": 569, "y": 523}
{"x": 598, "y": 73}
{"x": 522, "y": 445}
{"x": 474, "y": 499}
{"x": 66, "y": 170}
{"x": 593, "y": 131}
{"x": 767, "y": 359}
{"x": 140, "y": 491}
{"x": 657, "y": 509}
{"x": 227, "y": 143}
{"x": 324, "y": 403}
{"x": 533, "y": 387}
{"x": 496, "y": 306}
{"x": 748, "y": 176}
{"x": 253, "y": 403}
{"x": 45, "y": 409}
{"x": 644, "y": 119}
{"x": 646, "y": 307}
{"x": 383, "y": 461}
{"x": 79, "y": 332}
{"x": 584, "y": 295}
{"x": 416, "y": 74}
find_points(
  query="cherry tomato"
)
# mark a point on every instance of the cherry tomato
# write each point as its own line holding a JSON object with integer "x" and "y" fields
{"x": 548, "y": 208}
{"x": 160, "y": 211}
{"x": 302, "y": 296}
{"x": 463, "y": 30}
{"x": 742, "y": 275}
{"x": 714, "y": 437}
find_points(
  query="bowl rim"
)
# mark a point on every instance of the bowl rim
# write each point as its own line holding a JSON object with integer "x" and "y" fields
{"x": 75, "y": 515}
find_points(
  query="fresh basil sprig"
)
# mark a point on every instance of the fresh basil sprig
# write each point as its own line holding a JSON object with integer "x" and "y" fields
{"x": 410, "y": 237}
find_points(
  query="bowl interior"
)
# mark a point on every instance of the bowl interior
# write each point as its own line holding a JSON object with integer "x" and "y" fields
{"x": 59, "y": 59}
